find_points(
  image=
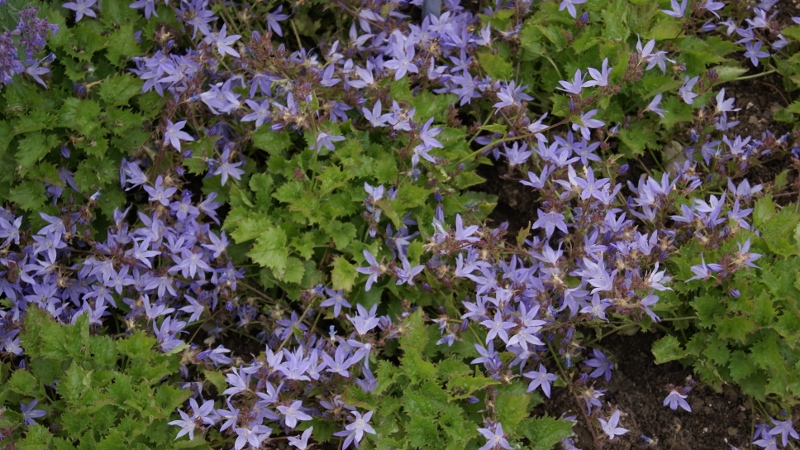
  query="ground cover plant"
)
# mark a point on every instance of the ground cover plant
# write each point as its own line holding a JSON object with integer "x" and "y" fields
{"x": 236, "y": 225}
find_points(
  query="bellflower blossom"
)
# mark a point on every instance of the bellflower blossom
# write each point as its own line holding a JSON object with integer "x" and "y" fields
{"x": 685, "y": 90}
{"x": 569, "y": 5}
{"x": 81, "y": 8}
{"x": 222, "y": 42}
{"x": 354, "y": 432}
{"x": 174, "y": 135}
{"x": 785, "y": 429}
{"x": 754, "y": 52}
{"x": 677, "y": 11}
{"x": 325, "y": 140}
{"x": 675, "y": 399}
{"x": 494, "y": 436}
{"x": 273, "y": 18}
{"x": 540, "y": 379}
{"x": 611, "y": 427}
{"x": 29, "y": 413}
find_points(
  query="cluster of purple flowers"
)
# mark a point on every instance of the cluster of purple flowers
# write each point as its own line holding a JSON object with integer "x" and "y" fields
{"x": 521, "y": 302}
{"x": 30, "y": 35}
{"x": 589, "y": 255}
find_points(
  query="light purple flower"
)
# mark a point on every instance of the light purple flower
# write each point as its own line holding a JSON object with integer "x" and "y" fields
{"x": 610, "y": 427}
{"x": 81, "y": 8}
{"x": 293, "y": 413}
{"x": 677, "y": 11}
{"x": 675, "y": 399}
{"x": 540, "y": 379}
{"x": 273, "y": 18}
{"x": 685, "y": 90}
{"x": 585, "y": 122}
{"x": 326, "y": 140}
{"x": 754, "y": 52}
{"x": 494, "y": 438}
{"x": 569, "y": 5}
{"x": 373, "y": 270}
{"x": 576, "y": 86}
{"x": 600, "y": 77}
{"x": 301, "y": 442}
{"x": 223, "y": 43}
{"x": 174, "y": 135}
{"x": 29, "y": 414}
{"x": 653, "y": 106}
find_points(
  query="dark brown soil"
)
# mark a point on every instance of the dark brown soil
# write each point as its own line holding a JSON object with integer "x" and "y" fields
{"x": 638, "y": 388}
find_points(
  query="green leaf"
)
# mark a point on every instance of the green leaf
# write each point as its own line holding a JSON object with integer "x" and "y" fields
{"x": 341, "y": 233}
{"x": 463, "y": 386}
{"x": 94, "y": 173}
{"x": 33, "y": 147}
{"x": 117, "y": 13}
{"x": 766, "y": 355}
{"x": 118, "y": 89}
{"x": 636, "y": 140}
{"x": 273, "y": 142}
{"x": 494, "y": 128}
{"x": 422, "y": 432}
{"x": 343, "y": 275}
{"x": 788, "y": 327}
{"x": 709, "y": 309}
{"x": 736, "y": 328}
{"x": 668, "y": 349}
{"x": 80, "y": 115}
{"x": 22, "y": 382}
{"x": 778, "y": 232}
{"x": 35, "y": 121}
{"x": 615, "y": 19}
{"x": 792, "y": 32}
{"x": 5, "y": 130}
{"x": 545, "y": 432}
{"x": 289, "y": 192}
{"x": 122, "y": 45}
{"x": 764, "y": 309}
{"x": 294, "y": 271}
{"x": 28, "y": 195}
{"x": 763, "y": 211}
{"x": 270, "y": 250}
{"x": 728, "y": 73}
{"x": 137, "y": 346}
{"x": 740, "y": 366}
{"x": 511, "y": 404}
{"x": 666, "y": 30}
{"x": 495, "y": 65}
{"x": 37, "y": 437}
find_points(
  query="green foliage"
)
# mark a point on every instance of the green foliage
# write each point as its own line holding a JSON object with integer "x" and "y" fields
{"x": 98, "y": 393}
{"x": 45, "y": 129}
{"x": 748, "y": 337}
{"x": 422, "y": 402}
{"x": 298, "y": 205}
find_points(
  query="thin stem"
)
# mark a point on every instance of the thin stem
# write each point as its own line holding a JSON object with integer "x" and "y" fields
{"x": 485, "y": 122}
{"x": 757, "y": 75}
{"x": 303, "y": 316}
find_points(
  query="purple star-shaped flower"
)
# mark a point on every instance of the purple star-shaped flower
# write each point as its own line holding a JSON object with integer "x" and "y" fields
{"x": 610, "y": 427}
{"x": 373, "y": 270}
{"x": 81, "y": 8}
{"x": 497, "y": 327}
{"x": 601, "y": 364}
{"x": 174, "y": 135}
{"x": 540, "y": 379}
{"x": 754, "y": 52}
{"x": 29, "y": 414}
{"x": 326, "y": 140}
{"x": 675, "y": 398}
